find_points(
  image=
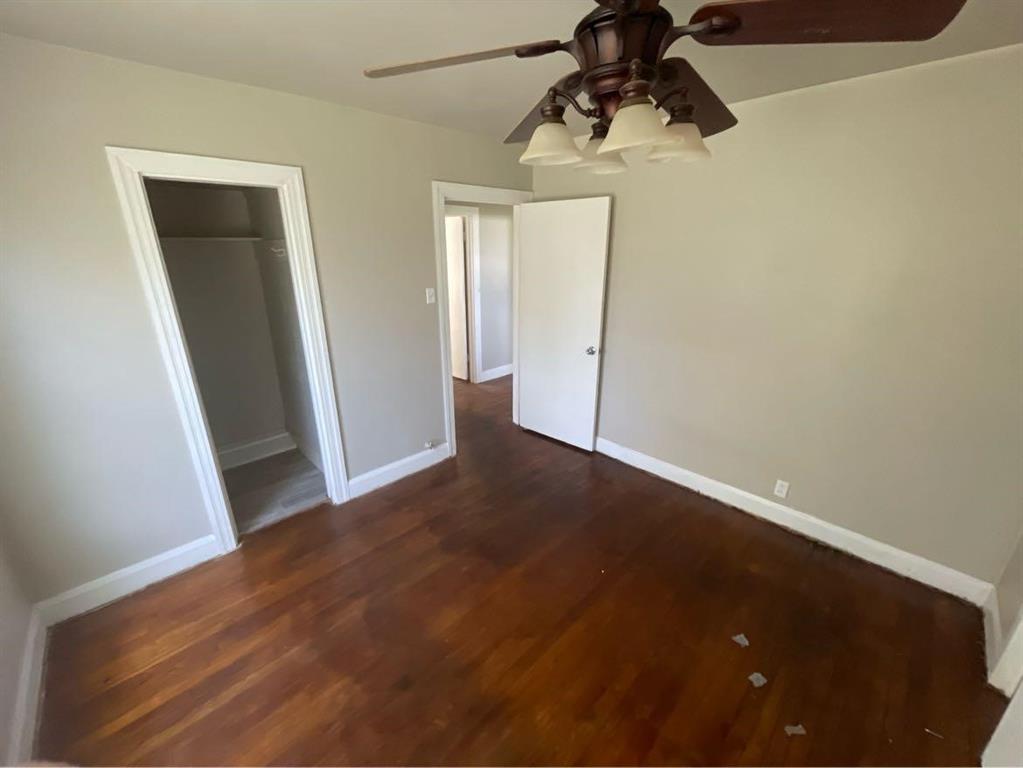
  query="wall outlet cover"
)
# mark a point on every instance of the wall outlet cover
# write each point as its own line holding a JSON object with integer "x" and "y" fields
{"x": 781, "y": 489}
{"x": 431, "y": 296}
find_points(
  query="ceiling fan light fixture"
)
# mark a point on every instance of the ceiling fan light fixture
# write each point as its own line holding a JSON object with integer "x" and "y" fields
{"x": 686, "y": 145}
{"x": 594, "y": 162}
{"x": 552, "y": 143}
{"x": 637, "y": 122}
{"x": 635, "y": 125}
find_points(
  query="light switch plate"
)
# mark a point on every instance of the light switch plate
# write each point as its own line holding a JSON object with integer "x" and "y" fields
{"x": 431, "y": 296}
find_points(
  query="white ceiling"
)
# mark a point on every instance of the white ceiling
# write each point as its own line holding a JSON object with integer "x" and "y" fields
{"x": 319, "y": 48}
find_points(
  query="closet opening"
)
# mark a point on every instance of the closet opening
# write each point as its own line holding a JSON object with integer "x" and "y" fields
{"x": 228, "y": 267}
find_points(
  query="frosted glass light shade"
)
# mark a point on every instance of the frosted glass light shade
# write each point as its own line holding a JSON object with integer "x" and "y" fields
{"x": 551, "y": 144}
{"x": 600, "y": 164}
{"x": 686, "y": 145}
{"x": 637, "y": 125}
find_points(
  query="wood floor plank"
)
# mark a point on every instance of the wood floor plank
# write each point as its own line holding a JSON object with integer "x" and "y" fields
{"x": 524, "y": 603}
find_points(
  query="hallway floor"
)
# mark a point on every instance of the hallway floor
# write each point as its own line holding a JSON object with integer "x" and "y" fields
{"x": 524, "y": 603}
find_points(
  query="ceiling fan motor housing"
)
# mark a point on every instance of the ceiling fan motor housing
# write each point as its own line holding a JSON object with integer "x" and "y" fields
{"x": 604, "y": 44}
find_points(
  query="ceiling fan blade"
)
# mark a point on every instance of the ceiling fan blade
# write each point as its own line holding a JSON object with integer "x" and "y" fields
{"x": 710, "y": 113}
{"x": 571, "y": 83}
{"x": 772, "y": 22}
{"x": 526, "y": 50}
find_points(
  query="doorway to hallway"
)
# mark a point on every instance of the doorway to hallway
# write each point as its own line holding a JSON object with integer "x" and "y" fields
{"x": 479, "y": 247}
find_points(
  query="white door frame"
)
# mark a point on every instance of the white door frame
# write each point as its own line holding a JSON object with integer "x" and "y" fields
{"x": 130, "y": 168}
{"x": 443, "y": 192}
{"x": 1007, "y": 669}
{"x": 473, "y": 325}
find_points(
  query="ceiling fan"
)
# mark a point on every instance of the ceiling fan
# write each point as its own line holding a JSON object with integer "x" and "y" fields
{"x": 620, "y": 49}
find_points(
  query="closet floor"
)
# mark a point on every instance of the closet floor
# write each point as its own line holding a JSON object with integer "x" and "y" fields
{"x": 265, "y": 491}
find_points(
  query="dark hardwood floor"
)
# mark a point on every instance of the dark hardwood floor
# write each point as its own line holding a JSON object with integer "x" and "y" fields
{"x": 524, "y": 603}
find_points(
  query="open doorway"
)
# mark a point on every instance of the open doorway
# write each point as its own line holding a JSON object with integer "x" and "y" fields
{"x": 227, "y": 262}
{"x": 557, "y": 267}
{"x": 474, "y": 228}
{"x": 479, "y": 255}
{"x": 225, "y": 255}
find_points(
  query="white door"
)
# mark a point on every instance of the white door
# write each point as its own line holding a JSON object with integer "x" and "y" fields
{"x": 454, "y": 229}
{"x": 562, "y": 258}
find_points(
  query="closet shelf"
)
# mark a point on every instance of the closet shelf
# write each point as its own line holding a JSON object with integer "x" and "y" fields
{"x": 216, "y": 238}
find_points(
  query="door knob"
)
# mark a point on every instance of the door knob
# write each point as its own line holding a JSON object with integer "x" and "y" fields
{"x": 591, "y": 350}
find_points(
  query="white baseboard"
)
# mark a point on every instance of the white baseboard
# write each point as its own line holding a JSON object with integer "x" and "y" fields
{"x": 26, "y": 701}
{"x": 1008, "y": 669}
{"x": 1005, "y": 749}
{"x": 389, "y": 473}
{"x": 123, "y": 582}
{"x": 901, "y": 562}
{"x": 495, "y": 373}
{"x": 992, "y": 631}
{"x": 236, "y": 454}
{"x": 81, "y": 599}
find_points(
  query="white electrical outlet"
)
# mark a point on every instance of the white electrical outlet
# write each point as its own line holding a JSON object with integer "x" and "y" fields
{"x": 430, "y": 444}
{"x": 431, "y": 296}
{"x": 781, "y": 489}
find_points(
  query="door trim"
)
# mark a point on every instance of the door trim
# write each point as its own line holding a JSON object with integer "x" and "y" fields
{"x": 443, "y": 193}
{"x": 474, "y": 323}
{"x": 130, "y": 168}
{"x": 515, "y": 314}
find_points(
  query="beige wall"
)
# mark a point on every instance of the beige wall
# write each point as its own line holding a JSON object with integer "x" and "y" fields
{"x": 286, "y": 335}
{"x": 218, "y": 291}
{"x": 101, "y": 476}
{"x": 836, "y": 299}
{"x": 496, "y": 285}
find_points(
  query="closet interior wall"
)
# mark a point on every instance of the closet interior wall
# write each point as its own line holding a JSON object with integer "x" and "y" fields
{"x": 227, "y": 262}
{"x": 282, "y": 312}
